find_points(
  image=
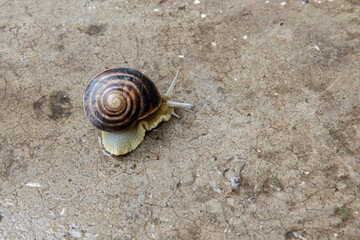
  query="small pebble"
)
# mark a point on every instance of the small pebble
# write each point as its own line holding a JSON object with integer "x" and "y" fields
{"x": 235, "y": 181}
{"x": 33, "y": 184}
{"x": 75, "y": 233}
{"x": 203, "y": 15}
{"x": 63, "y": 211}
{"x": 218, "y": 190}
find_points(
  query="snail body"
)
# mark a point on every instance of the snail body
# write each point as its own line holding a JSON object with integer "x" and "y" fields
{"x": 124, "y": 103}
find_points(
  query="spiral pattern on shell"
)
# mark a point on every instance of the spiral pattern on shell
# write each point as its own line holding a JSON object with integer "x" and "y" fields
{"x": 117, "y": 98}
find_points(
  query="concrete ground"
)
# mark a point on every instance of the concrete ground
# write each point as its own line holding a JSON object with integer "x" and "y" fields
{"x": 271, "y": 150}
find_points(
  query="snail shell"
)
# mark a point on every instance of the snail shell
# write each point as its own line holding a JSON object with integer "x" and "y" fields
{"x": 117, "y": 98}
{"x": 124, "y": 104}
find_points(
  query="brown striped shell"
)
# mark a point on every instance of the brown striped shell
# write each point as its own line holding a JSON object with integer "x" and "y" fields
{"x": 117, "y": 98}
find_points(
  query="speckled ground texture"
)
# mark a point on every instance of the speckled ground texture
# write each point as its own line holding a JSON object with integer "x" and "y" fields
{"x": 271, "y": 150}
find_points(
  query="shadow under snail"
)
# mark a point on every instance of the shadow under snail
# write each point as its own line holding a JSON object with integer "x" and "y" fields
{"x": 124, "y": 104}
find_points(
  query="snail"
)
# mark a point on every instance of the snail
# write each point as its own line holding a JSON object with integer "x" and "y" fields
{"x": 124, "y": 103}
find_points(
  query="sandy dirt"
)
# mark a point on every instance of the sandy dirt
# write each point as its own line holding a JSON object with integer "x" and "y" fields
{"x": 271, "y": 150}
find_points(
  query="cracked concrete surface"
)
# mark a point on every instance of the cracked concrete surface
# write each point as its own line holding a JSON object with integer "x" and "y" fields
{"x": 271, "y": 150}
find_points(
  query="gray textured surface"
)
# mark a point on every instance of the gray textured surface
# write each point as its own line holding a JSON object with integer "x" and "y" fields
{"x": 271, "y": 148}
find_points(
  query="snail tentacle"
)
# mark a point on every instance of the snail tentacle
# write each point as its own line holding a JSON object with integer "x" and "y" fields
{"x": 171, "y": 88}
{"x": 174, "y": 114}
{"x": 179, "y": 104}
